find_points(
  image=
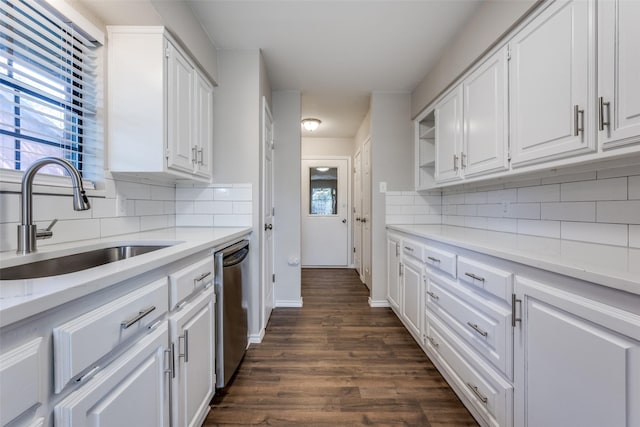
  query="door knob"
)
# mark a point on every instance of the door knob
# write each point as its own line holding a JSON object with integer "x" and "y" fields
{"x": 358, "y": 218}
{"x": 364, "y": 220}
{"x": 344, "y": 220}
{"x": 268, "y": 227}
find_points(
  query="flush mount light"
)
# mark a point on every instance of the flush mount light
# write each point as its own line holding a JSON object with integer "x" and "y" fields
{"x": 322, "y": 169}
{"x": 311, "y": 124}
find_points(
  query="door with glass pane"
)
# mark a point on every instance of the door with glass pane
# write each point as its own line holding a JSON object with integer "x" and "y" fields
{"x": 325, "y": 212}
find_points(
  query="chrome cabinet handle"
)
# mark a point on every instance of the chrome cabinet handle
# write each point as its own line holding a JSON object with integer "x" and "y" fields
{"x": 194, "y": 154}
{"x": 201, "y": 155}
{"x": 88, "y": 375}
{"x": 173, "y": 360}
{"x": 201, "y": 277}
{"x": 601, "y": 122}
{"x": 397, "y": 249}
{"x": 400, "y": 269}
{"x": 430, "y": 258}
{"x": 433, "y": 296}
{"x": 578, "y": 120}
{"x": 433, "y": 342}
{"x": 455, "y": 162}
{"x": 185, "y": 340}
{"x": 407, "y": 248}
{"x": 462, "y": 160}
{"x": 477, "y": 329}
{"x": 514, "y": 318}
{"x": 475, "y": 391}
{"x": 473, "y": 276}
{"x": 126, "y": 324}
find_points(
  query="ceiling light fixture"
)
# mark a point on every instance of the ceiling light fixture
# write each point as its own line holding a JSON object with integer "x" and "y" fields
{"x": 311, "y": 124}
{"x": 322, "y": 169}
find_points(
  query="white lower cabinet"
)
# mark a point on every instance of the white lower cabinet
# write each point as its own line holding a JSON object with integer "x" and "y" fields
{"x": 393, "y": 272}
{"x": 131, "y": 391}
{"x": 412, "y": 290}
{"x": 193, "y": 351}
{"x": 577, "y": 360}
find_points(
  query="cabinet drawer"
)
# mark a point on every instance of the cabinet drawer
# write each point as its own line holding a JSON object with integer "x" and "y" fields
{"x": 186, "y": 281}
{"x": 413, "y": 249}
{"x": 440, "y": 260}
{"x": 491, "y": 279}
{"x": 80, "y": 342}
{"x": 484, "y": 326}
{"x": 491, "y": 395}
{"x": 23, "y": 379}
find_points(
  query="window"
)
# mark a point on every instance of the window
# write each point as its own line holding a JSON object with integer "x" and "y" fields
{"x": 323, "y": 188}
{"x": 48, "y": 89}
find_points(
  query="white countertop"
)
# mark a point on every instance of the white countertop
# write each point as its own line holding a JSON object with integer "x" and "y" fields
{"x": 20, "y": 299}
{"x": 612, "y": 266}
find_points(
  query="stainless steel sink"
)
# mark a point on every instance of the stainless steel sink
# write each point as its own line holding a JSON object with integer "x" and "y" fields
{"x": 75, "y": 262}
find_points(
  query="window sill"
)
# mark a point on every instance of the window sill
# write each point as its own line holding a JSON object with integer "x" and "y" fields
{"x": 11, "y": 182}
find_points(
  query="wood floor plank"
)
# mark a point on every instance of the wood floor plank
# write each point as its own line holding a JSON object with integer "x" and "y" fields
{"x": 336, "y": 362}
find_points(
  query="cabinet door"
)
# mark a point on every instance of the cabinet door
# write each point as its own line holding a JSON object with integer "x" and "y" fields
{"x": 577, "y": 361}
{"x": 448, "y": 122}
{"x": 193, "y": 341}
{"x": 203, "y": 126}
{"x": 618, "y": 72}
{"x": 485, "y": 117}
{"x": 180, "y": 75}
{"x": 131, "y": 391}
{"x": 412, "y": 278}
{"x": 393, "y": 272}
{"x": 550, "y": 76}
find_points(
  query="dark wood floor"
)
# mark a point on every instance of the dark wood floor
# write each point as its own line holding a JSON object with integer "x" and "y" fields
{"x": 337, "y": 362}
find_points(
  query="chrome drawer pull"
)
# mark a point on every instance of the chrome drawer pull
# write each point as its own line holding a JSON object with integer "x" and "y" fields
{"x": 433, "y": 259}
{"x": 433, "y": 342}
{"x": 126, "y": 324}
{"x": 202, "y": 277}
{"x": 88, "y": 375}
{"x": 433, "y": 296}
{"x": 185, "y": 338}
{"x": 473, "y": 276}
{"x": 602, "y": 122}
{"x": 475, "y": 391}
{"x": 477, "y": 329}
{"x": 407, "y": 248}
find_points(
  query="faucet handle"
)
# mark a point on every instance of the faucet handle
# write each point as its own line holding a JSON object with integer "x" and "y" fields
{"x": 46, "y": 233}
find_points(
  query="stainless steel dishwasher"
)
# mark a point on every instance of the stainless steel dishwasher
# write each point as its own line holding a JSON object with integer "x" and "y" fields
{"x": 231, "y": 282}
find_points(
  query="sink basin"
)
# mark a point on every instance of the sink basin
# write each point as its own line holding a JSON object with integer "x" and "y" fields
{"x": 75, "y": 262}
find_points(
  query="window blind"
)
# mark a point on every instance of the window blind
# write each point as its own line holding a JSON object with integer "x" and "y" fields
{"x": 48, "y": 90}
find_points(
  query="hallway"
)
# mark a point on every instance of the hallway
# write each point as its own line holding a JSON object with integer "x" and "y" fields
{"x": 337, "y": 362}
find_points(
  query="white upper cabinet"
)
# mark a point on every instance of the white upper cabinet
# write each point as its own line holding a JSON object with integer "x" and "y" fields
{"x": 485, "y": 132}
{"x": 551, "y": 79}
{"x": 160, "y": 106}
{"x": 448, "y": 133}
{"x": 618, "y": 73}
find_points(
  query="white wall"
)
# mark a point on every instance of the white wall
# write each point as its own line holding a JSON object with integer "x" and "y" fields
{"x": 391, "y": 162}
{"x": 492, "y": 19}
{"x": 287, "y": 181}
{"x": 328, "y": 147}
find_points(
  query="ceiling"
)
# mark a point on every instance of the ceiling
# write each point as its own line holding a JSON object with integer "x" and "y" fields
{"x": 337, "y": 52}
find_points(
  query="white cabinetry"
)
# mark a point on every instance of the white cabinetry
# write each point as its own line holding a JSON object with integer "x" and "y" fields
{"x": 448, "y": 122}
{"x": 160, "y": 106}
{"x": 618, "y": 71}
{"x": 193, "y": 344}
{"x": 393, "y": 272}
{"x": 425, "y": 150}
{"x": 132, "y": 391}
{"x": 577, "y": 360}
{"x": 412, "y": 279}
{"x": 551, "y": 76}
{"x": 23, "y": 375}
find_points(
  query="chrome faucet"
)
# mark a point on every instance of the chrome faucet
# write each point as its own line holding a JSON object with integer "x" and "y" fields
{"x": 28, "y": 232}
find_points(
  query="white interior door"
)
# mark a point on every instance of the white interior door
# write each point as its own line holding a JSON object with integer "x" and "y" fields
{"x": 357, "y": 213}
{"x": 267, "y": 214}
{"x": 325, "y": 212}
{"x": 366, "y": 213}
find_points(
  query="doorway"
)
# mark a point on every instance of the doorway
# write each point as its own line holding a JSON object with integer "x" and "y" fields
{"x": 326, "y": 219}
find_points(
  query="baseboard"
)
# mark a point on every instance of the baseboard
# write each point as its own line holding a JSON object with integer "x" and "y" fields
{"x": 378, "y": 303}
{"x": 289, "y": 303}
{"x": 256, "y": 339}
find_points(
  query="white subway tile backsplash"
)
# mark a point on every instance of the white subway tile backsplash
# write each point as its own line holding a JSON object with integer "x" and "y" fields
{"x": 492, "y": 210}
{"x": 232, "y": 220}
{"x": 557, "y": 179}
{"x": 399, "y": 219}
{"x": 8, "y": 236}
{"x": 242, "y": 208}
{"x": 185, "y": 207}
{"x": 541, "y": 193}
{"x": 170, "y": 207}
{"x": 154, "y": 222}
{"x": 477, "y": 197}
{"x": 617, "y": 172}
{"x": 427, "y": 219}
{"x": 103, "y": 208}
{"x": 427, "y": 200}
{"x": 121, "y": 225}
{"x": 453, "y": 199}
{"x": 9, "y": 207}
{"x": 475, "y": 222}
{"x": 48, "y": 207}
{"x": 467, "y": 210}
{"x": 133, "y": 190}
{"x": 399, "y": 200}
{"x": 499, "y": 196}
{"x": 163, "y": 193}
{"x": 507, "y": 225}
{"x": 523, "y": 210}
{"x": 453, "y": 220}
{"x": 539, "y": 228}
{"x": 601, "y": 189}
{"x": 624, "y": 212}
{"x": 634, "y": 236}
{"x": 607, "y": 234}
{"x": 634, "y": 187}
{"x": 72, "y": 230}
{"x": 194, "y": 220}
{"x": 569, "y": 211}
{"x": 194, "y": 194}
{"x": 148, "y": 207}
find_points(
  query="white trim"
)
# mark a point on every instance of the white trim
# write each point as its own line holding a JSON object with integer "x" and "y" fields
{"x": 78, "y": 20}
{"x": 257, "y": 339}
{"x": 378, "y": 303}
{"x": 291, "y": 303}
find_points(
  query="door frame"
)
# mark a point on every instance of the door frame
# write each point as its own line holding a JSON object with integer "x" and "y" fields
{"x": 348, "y": 210}
{"x": 264, "y": 248}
